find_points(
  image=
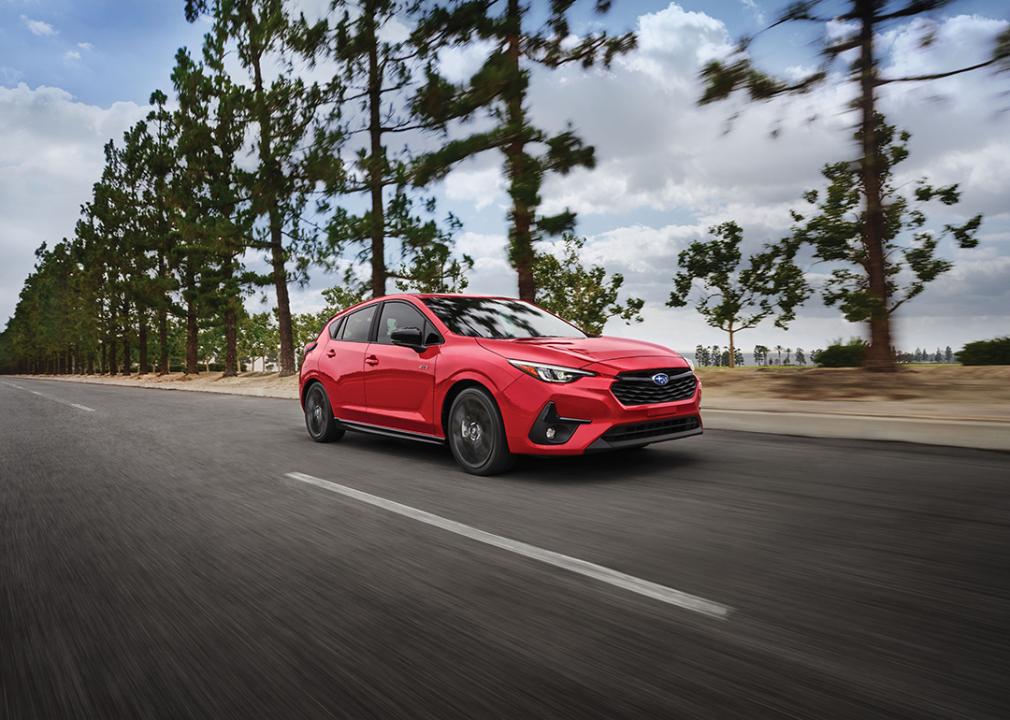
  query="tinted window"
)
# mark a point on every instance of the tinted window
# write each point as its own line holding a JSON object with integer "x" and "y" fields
{"x": 499, "y": 318}
{"x": 397, "y": 315}
{"x": 358, "y": 324}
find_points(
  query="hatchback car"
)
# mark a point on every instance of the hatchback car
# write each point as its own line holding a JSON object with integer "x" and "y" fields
{"x": 492, "y": 377}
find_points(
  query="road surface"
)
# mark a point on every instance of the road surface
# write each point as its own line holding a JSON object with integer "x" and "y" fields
{"x": 189, "y": 555}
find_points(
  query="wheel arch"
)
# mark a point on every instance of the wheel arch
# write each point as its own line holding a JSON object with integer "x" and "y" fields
{"x": 454, "y": 390}
{"x": 308, "y": 386}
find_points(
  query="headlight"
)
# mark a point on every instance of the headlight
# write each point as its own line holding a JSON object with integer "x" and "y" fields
{"x": 550, "y": 373}
{"x": 690, "y": 363}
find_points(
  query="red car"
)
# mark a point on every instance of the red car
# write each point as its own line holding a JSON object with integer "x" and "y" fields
{"x": 493, "y": 377}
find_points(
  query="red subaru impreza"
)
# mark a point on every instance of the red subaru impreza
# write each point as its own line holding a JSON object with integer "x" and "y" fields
{"x": 492, "y": 377}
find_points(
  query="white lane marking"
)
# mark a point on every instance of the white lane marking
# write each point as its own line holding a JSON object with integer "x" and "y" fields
{"x": 581, "y": 567}
{"x": 50, "y": 397}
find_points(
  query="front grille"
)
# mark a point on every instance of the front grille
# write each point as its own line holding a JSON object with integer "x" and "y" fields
{"x": 646, "y": 430}
{"x": 638, "y": 388}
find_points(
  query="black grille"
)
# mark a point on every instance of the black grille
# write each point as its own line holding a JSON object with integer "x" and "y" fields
{"x": 638, "y": 388}
{"x": 646, "y": 430}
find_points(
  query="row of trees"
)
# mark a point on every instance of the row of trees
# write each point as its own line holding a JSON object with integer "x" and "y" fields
{"x": 252, "y": 160}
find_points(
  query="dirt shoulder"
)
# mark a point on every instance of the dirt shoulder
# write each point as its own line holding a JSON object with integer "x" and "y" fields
{"x": 948, "y": 392}
{"x": 255, "y": 384}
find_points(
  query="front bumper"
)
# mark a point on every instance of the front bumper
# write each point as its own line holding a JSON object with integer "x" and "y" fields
{"x": 598, "y": 420}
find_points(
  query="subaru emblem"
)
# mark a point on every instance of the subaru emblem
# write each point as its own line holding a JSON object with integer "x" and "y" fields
{"x": 661, "y": 378}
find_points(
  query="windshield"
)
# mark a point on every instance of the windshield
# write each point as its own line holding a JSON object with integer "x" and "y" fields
{"x": 497, "y": 318}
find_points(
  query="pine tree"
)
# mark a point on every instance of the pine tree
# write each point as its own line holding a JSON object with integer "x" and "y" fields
{"x": 283, "y": 112}
{"x": 496, "y": 94}
{"x": 869, "y": 19}
{"x": 836, "y": 229}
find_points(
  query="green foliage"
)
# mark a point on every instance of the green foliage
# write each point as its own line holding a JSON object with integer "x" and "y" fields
{"x": 341, "y": 297}
{"x": 374, "y": 72}
{"x": 839, "y": 354}
{"x": 834, "y": 230}
{"x": 494, "y": 98}
{"x": 735, "y": 295}
{"x": 584, "y": 296}
{"x": 985, "y": 352}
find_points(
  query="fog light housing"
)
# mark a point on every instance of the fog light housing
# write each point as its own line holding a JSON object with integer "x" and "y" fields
{"x": 552, "y": 429}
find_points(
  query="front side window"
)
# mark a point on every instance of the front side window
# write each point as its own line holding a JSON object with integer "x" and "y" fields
{"x": 358, "y": 324}
{"x": 396, "y": 316}
{"x": 499, "y": 318}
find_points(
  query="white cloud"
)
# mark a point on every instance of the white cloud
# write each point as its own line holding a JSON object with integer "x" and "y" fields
{"x": 38, "y": 27}
{"x": 71, "y": 56}
{"x": 85, "y": 46}
{"x": 50, "y": 157}
{"x": 481, "y": 187}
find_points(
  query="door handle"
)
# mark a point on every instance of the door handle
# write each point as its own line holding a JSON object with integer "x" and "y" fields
{"x": 371, "y": 360}
{"x": 331, "y": 352}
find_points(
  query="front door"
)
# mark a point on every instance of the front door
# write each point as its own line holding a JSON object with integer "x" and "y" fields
{"x": 400, "y": 381}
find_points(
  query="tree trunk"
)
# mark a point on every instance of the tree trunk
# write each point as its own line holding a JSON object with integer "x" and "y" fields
{"x": 520, "y": 234}
{"x": 127, "y": 349}
{"x": 231, "y": 368}
{"x": 90, "y": 369}
{"x": 376, "y": 161}
{"x": 732, "y": 347}
{"x": 878, "y": 356}
{"x": 287, "y": 352}
{"x": 142, "y": 341}
{"x": 276, "y": 222}
{"x": 192, "y": 328}
{"x": 112, "y": 364}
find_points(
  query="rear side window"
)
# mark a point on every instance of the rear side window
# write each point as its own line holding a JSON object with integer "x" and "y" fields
{"x": 335, "y": 327}
{"x": 358, "y": 324}
{"x": 396, "y": 316}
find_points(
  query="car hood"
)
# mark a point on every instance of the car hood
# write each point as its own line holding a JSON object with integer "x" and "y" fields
{"x": 579, "y": 352}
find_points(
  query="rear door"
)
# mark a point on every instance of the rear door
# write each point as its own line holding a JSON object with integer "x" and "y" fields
{"x": 342, "y": 363}
{"x": 400, "y": 381}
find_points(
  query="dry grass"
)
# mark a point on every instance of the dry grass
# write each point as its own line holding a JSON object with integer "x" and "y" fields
{"x": 932, "y": 383}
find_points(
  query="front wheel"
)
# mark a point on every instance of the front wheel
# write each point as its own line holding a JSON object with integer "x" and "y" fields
{"x": 319, "y": 420}
{"x": 477, "y": 434}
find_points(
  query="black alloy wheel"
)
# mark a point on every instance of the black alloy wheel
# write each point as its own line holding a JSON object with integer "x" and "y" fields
{"x": 319, "y": 420}
{"x": 477, "y": 435}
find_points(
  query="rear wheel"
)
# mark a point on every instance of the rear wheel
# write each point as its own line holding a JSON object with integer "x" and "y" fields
{"x": 477, "y": 434}
{"x": 319, "y": 420}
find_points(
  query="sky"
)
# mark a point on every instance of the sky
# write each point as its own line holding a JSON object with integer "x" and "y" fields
{"x": 76, "y": 73}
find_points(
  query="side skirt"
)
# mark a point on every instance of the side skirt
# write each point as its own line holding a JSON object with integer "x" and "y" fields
{"x": 391, "y": 432}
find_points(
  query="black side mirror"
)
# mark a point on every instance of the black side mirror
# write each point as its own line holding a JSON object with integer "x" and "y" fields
{"x": 408, "y": 337}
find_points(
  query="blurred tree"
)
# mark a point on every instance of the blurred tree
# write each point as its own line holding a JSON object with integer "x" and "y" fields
{"x": 376, "y": 64}
{"x": 801, "y": 358}
{"x": 948, "y": 355}
{"x": 862, "y": 22}
{"x": 837, "y": 231}
{"x": 760, "y": 355}
{"x": 582, "y": 295}
{"x": 736, "y": 296}
{"x": 701, "y": 356}
{"x": 497, "y": 92}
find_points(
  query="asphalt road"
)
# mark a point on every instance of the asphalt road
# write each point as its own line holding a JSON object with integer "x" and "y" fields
{"x": 157, "y": 560}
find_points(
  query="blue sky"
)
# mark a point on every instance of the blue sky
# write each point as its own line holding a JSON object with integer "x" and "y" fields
{"x": 74, "y": 73}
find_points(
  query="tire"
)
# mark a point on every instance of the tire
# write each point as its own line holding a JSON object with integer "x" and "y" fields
{"x": 476, "y": 434}
{"x": 319, "y": 420}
